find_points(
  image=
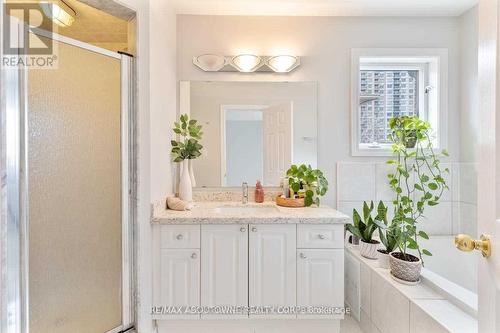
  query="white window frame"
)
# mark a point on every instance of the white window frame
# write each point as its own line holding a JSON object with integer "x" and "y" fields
{"x": 432, "y": 64}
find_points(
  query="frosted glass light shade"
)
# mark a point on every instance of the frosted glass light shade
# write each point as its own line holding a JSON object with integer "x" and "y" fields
{"x": 59, "y": 12}
{"x": 210, "y": 62}
{"x": 283, "y": 63}
{"x": 246, "y": 62}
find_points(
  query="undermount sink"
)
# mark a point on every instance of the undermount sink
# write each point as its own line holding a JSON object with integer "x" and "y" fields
{"x": 245, "y": 209}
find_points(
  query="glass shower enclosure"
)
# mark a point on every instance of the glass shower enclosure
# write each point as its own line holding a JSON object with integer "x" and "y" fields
{"x": 72, "y": 174}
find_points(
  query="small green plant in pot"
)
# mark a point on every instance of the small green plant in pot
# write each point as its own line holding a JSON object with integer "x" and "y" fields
{"x": 389, "y": 235}
{"x": 364, "y": 229}
{"x": 418, "y": 183}
{"x": 185, "y": 150}
{"x": 311, "y": 181}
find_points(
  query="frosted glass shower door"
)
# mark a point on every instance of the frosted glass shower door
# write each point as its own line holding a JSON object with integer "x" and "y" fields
{"x": 75, "y": 212}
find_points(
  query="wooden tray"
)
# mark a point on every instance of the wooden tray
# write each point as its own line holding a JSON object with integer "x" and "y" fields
{"x": 289, "y": 202}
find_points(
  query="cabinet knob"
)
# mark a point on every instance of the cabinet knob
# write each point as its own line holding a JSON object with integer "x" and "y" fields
{"x": 179, "y": 236}
{"x": 254, "y": 229}
{"x": 243, "y": 229}
{"x": 303, "y": 256}
{"x": 321, "y": 236}
{"x": 194, "y": 256}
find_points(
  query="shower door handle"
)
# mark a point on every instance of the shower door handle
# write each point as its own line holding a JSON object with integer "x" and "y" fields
{"x": 466, "y": 243}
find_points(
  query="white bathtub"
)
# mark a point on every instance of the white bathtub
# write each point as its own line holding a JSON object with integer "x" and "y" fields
{"x": 451, "y": 271}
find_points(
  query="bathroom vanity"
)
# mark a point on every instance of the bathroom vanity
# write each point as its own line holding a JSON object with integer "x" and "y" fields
{"x": 248, "y": 268}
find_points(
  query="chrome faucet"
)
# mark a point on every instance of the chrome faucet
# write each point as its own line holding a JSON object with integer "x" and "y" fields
{"x": 244, "y": 190}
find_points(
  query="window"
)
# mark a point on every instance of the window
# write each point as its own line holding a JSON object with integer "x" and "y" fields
{"x": 389, "y": 83}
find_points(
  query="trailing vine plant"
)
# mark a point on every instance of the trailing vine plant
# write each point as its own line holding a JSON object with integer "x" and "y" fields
{"x": 417, "y": 179}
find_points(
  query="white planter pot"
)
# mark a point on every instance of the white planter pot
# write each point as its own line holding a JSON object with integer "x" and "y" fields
{"x": 405, "y": 270}
{"x": 191, "y": 173}
{"x": 185, "y": 187}
{"x": 369, "y": 250}
{"x": 383, "y": 260}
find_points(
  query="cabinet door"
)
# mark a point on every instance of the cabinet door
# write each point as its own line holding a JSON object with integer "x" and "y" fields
{"x": 320, "y": 279}
{"x": 224, "y": 266}
{"x": 272, "y": 265}
{"x": 180, "y": 278}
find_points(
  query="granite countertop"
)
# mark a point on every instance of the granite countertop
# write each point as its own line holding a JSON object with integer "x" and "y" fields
{"x": 213, "y": 212}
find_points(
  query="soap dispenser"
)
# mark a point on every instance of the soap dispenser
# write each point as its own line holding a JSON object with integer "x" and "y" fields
{"x": 259, "y": 192}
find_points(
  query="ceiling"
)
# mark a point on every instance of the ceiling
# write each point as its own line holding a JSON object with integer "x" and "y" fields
{"x": 326, "y": 7}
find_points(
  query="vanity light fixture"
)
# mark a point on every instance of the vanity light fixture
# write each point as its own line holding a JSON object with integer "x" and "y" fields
{"x": 59, "y": 12}
{"x": 210, "y": 62}
{"x": 283, "y": 63}
{"x": 246, "y": 62}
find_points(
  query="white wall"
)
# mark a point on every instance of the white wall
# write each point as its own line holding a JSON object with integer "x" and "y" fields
{"x": 324, "y": 44}
{"x": 156, "y": 93}
{"x": 469, "y": 106}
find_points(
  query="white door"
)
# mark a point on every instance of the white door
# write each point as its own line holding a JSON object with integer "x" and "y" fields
{"x": 278, "y": 142}
{"x": 224, "y": 265}
{"x": 180, "y": 277}
{"x": 320, "y": 280}
{"x": 272, "y": 266}
{"x": 488, "y": 200}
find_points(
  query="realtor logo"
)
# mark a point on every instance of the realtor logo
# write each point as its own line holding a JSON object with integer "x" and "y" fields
{"x": 20, "y": 45}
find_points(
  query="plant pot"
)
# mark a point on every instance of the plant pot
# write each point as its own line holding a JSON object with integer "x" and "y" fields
{"x": 354, "y": 240}
{"x": 185, "y": 188}
{"x": 405, "y": 268}
{"x": 410, "y": 139}
{"x": 383, "y": 259}
{"x": 369, "y": 250}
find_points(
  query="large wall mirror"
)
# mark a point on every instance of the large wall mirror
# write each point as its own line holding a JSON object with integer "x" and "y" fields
{"x": 252, "y": 130}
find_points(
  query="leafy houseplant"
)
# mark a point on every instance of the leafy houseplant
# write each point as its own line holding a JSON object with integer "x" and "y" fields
{"x": 418, "y": 183}
{"x": 364, "y": 229}
{"x": 312, "y": 181}
{"x": 186, "y": 149}
{"x": 389, "y": 235}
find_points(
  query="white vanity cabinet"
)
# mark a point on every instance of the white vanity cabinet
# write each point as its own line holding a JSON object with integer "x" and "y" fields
{"x": 318, "y": 284}
{"x": 224, "y": 265}
{"x": 272, "y": 267}
{"x": 180, "y": 277}
{"x": 278, "y": 265}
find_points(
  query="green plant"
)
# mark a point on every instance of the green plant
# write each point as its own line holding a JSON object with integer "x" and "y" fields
{"x": 312, "y": 181}
{"x": 389, "y": 233}
{"x": 417, "y": 179}
{"x": 366, "y": 226}
{"x": 188, "y": 147}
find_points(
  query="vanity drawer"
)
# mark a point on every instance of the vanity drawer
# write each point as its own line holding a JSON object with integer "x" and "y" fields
{"x": 320, "y": 236}
{"x": 180, "y": 237}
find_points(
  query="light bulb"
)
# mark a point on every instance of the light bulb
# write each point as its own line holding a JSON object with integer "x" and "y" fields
{"x": 246, "y": 62}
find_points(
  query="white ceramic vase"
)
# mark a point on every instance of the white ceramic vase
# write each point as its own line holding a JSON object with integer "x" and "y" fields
{"x": 368, "y": 250}
{"x": 191, "y": 173}
{"x": 185, "y": 187}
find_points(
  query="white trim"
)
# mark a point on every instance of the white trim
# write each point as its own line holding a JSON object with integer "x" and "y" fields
{"x": 127, "y": 122}
{"x": 74, "y": 42}
{"x": 117, "y": 329}
{"x": 409, "y": 58}
{"x": 223, "y": 109}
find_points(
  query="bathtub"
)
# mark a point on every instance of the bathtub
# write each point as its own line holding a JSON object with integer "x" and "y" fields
{"x": 451, "y": 272}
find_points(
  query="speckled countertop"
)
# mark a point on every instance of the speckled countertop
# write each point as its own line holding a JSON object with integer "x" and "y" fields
{"x": 213, "y": 212}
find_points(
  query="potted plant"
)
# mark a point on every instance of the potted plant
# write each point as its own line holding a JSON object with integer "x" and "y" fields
{"x": 364, "y": 229}
{"x": 418, "y": 183}
{"x": 311, "y": 181}
{"x": 185, "y": 150}
{"x": 388, "y": 234}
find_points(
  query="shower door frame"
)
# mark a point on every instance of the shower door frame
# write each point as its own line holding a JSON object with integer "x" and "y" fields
{"x": 17, "y": 187}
